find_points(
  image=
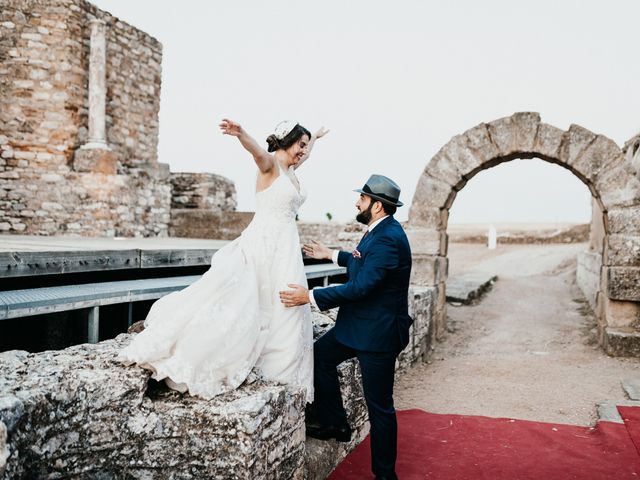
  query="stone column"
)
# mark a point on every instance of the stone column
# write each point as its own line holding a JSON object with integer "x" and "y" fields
{"x": 95, "y": 155}
{"x": 97, "y": 85}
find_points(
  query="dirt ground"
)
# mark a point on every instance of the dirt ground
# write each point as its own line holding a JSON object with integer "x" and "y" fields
{"x": 525, "y": 351}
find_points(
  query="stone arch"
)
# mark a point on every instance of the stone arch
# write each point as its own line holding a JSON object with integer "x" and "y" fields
{"x": 610, "y": 271}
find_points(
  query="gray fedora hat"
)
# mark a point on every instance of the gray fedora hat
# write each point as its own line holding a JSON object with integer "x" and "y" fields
{"x": 382, "y": 188}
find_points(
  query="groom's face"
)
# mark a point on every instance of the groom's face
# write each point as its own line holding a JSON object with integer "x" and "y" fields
{"x": 364, "y": 206}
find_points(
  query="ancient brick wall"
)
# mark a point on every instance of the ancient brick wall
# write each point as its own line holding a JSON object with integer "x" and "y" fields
{"x": 44, "y": 64}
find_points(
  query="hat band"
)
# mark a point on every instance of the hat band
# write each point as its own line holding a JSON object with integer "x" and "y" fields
{"x": 368, "y": 190}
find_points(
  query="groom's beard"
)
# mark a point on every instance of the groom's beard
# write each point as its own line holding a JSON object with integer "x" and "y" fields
{"x": 365, "y": 217}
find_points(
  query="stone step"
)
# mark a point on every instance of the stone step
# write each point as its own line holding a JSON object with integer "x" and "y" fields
{"x": 622, "y": 342}
{"x": 631, "y": 387}
{"x": 608, "y": 412}
{"x": 469, "y": 287}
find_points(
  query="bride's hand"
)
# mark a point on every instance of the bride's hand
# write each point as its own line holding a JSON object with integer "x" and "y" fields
{"x": 317, "y": 250}
{"x": 321, "y": 132}
{"x": 229, "y": 127}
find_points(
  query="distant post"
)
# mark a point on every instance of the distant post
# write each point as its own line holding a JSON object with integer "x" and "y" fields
{"x": 492, "y": 238}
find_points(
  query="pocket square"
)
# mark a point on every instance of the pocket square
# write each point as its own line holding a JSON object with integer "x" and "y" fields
{"x": 356, "y": 254}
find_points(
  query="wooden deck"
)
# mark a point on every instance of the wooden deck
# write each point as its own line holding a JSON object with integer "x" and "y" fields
{"x": 22, "y": 255}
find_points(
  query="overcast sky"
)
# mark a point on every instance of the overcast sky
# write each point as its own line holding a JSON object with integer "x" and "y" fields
{"x": 394, "y": 81}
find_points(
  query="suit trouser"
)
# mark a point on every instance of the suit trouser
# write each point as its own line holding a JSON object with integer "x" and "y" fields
{"x": 378, "y": 370}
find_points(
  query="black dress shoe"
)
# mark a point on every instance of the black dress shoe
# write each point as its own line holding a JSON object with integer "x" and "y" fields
{"x": 327, "y": 432}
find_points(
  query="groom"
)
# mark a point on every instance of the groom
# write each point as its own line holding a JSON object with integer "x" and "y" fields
{"x": 372, "y": 323}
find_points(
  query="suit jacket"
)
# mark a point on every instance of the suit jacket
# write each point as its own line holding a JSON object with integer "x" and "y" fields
{"x": 373, "y": 313}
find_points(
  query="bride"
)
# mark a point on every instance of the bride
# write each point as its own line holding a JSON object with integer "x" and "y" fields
{"x": 207, "y": 338}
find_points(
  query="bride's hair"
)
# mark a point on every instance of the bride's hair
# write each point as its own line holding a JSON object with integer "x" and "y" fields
{"x": 292, "y": 137}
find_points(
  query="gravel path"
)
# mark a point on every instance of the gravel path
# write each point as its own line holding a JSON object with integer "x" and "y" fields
{"x": 526, "y": 351}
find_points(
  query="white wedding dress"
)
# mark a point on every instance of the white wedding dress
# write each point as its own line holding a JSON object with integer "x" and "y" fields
{"x": 207, "y": 338}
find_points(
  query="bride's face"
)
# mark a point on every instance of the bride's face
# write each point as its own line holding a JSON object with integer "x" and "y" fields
{"x": 298, "y": 150}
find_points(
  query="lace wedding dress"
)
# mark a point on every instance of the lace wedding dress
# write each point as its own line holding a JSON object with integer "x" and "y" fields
{"x": 207, "y": 338}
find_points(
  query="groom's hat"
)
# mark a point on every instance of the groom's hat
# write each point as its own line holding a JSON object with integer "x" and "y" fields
{"x": 382, "y": 188}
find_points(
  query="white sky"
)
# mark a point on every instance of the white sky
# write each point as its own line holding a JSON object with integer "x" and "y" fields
{"x": 394, "y": 81}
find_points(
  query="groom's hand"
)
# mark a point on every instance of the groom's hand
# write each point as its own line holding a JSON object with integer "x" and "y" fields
{"x": 293, "y": 298}
{"x": 317, "y": 250}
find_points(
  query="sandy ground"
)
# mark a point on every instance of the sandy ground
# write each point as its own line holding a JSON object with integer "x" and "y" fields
{"x": 525, "y": 351}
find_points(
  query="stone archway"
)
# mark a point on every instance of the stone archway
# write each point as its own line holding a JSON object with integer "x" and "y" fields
{"x": 609, "y": 272}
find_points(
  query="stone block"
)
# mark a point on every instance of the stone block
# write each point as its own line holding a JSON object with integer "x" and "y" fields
{"x": 601, "y": 155}
{"x": 479, "y": 142}
{"x": 618, "y": 313}
{"x": 79, "y": 413}
{"x": 432, "y": 193}
{"x": 574, "y": 142}
{"x": 622, "y": 250}
{"x": 516, "y": 133}
{"x": 431, "y": 217}
{"x": 588, "y": 275}
{"x": 632, "y": 388}
{"x": 428, "y": 270}
{"x": 622, "y": 283}
{"x": 622, "y": 342}
{"x": 95, "y": 160}
{"x": 618, "y": 187}
{"x": 443, "y": 168}
{"x": 624, "y": 220}
{"x": 465, "y": 160}
{"x": 427, "y": 241}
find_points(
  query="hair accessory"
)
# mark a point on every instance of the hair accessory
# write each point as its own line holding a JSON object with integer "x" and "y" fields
{"x": 284, "y": 128}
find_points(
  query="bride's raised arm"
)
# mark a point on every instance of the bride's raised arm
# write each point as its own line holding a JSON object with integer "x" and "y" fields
{"x": 319, "y": 134}
{"x": 264, "y": 160}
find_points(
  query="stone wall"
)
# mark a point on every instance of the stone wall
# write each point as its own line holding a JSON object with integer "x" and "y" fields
{"x": 79, "y": 413}
{"x": 205, "y": 191}
{"x": 44, "y": 63}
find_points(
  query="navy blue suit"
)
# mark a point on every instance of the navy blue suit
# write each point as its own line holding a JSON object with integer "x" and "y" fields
{"x": 372, "y": 325}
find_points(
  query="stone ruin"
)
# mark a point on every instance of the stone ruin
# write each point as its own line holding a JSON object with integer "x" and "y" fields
{"x": 608, "y": 273}
{"x": 79, "y": 103}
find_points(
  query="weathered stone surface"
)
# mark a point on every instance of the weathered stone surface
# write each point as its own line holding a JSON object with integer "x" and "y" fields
{"x": 428, "y": 270}
{"x": 95, "y": 160}
{"x": 197, "y": 223}
{"x": 515, "y": 134}
{"x": 588, "y": 275}
{"x": 44, "y": 73}
{"x": 465, "y": 160}
{"x": 601, "y": 155}
{"x": 60, "y": 406}
{"x": 618, "y": 187}
{"x": 422, "y": 304}
{"x": 623, "y": 283}
{"x": 442, "y": 168}
{"x": 548, "y": 140}
{"x": 427, "y": 242}
{"x": 624, "y": 220}
{"x": 574, "y": 142}
{"x": 421, "y": 217}
{"x": 632, "y": 388}
{"x": 465, "y": 289}
{"x": 203, "y": 191}
{"x": 618, "y": 313}
{"x": 608, "y": 411}
{"x": 622, "y": 250}
{"x": 479, "y": 142}
{"x": 432, "y": 193}
{"x": 622, "y": 342}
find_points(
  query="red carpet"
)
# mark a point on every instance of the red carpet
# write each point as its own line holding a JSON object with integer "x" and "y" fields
{"x": 631, "y": 417}
{"x": 458, "y": 447}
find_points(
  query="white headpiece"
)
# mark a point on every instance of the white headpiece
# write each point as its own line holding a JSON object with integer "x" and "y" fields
{"x": 284, "y": 128}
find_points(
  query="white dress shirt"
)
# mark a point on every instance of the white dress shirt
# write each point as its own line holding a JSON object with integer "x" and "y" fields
{"x": 334, "y": 257}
